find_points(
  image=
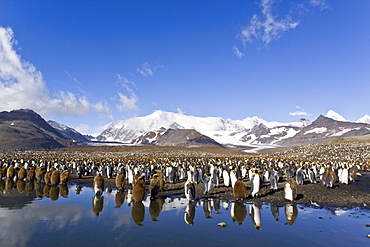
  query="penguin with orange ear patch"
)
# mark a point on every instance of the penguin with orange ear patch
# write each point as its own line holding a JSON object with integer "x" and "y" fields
{"x": 55, "y": 178}
{"x": 64, "y": 177}
{"x": 290, "y": 190}
{"x": 239, "y": 190}
{"x": 138, "y": 192}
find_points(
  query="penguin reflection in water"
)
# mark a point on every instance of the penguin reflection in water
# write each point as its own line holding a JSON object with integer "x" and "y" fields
{"x": 98, "y": 199}
{"x": 291, "y": 213}
{"x": 155, "y": 207}
{"x": 189, "y": 214}
{"x": 255, "y": 213}
{"x": 207, "y": 208}
{"x": 138, "y": 212}
{"x": 238, "y": 212}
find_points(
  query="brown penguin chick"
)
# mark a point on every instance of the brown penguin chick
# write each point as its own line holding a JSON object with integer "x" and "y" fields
{"x": 55, "y": 178}
{"x": 98, "y": 184}
{"x": 239, "y": 190}
{"x": 64, "y": 177}
{"x": 160, "y": 179}
{"x": 47, "y": 177}
{"x": 10, "y": 173}
{"x": 21, "y": 185}
{"x": 22, "y": 173}
{"x": 31, "y": 175}
{"x": 154, "y": 187}
{"x": 39, "y": 174}
{"x": 138, "y": 192}
{"x": 3, "y": 172}
{"x": 136, "y": 177}
{"x": 120, "y": 181}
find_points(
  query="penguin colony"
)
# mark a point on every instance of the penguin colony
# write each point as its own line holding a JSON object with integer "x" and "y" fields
{"x": 146, "y": 175}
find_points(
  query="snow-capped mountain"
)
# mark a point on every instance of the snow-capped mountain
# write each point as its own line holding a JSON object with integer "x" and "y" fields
{"x": 67, "y": 132}
{"x": 364, "y": 119}
{"x": 336, "y": 116}
{"x": 326, "y": 129}
{"x": 249, "y": 131}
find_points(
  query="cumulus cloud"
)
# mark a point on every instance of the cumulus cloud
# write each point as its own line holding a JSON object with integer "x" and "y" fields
{"x": 299, "y": 112}
{"x": 22, "y": 86}
{"x": 147, "y": 70}
{"x": 128, "y": 101}
{"x": 266, "y": 26}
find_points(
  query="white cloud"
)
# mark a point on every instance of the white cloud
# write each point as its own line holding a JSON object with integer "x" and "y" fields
{"x": 237, "y": 52}
{"x": 147, "y": 70}
{"x": 299, "y": 112}
{"x": 179, "y": 111}
{"x": 92, "y": 130}
{"x": 320, "y": 4}
{"x": 267, "y": 26}
{"x": 22, "y": 86}
{"x": 129, "y": 101}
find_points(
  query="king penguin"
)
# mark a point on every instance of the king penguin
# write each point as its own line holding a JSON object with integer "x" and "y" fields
{"x": 207, "y": 182}
{"x": 256, "y": 183}
{"x": 290, "y": 190}
{"x": 189, "y": 187}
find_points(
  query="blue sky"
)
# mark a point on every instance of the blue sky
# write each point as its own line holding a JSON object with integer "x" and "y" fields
{"x": 89, "y": 63}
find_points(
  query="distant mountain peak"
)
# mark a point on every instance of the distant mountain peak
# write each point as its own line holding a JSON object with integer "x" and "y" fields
{"x": 364, "y": 119}
{"x": 336, "y": 116}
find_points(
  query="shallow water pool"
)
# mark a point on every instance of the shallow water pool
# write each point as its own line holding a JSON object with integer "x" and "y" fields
{"x": 74, "y": 216}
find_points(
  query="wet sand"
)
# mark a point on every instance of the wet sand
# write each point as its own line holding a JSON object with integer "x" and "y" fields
{"x": 355, "y": 194}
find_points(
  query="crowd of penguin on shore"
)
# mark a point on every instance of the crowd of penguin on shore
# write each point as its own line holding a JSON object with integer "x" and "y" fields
{"x": 149, "y": 176}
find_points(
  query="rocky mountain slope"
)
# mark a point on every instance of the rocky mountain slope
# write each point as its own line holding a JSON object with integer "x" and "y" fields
{"x": 67, "y": 132}
{"x": 25, "y": 130}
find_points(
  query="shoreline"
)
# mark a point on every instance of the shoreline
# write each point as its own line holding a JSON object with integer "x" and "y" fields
{"x": 355, "y": 194}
